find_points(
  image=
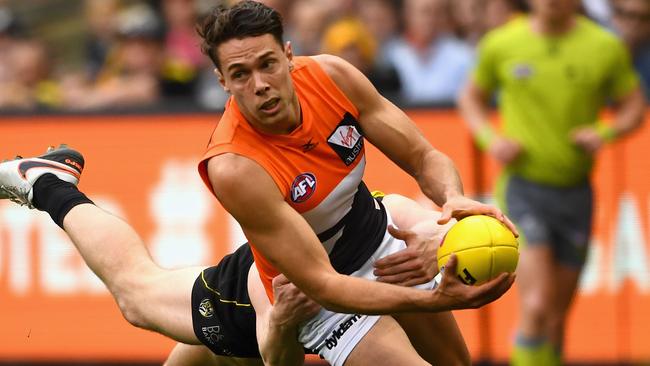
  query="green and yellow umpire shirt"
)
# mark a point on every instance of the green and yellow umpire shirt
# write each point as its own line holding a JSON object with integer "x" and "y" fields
{"x": 549, "y": 85}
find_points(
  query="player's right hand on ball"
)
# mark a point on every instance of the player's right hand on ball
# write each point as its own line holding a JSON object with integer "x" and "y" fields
{"x": 453, "y": 294}
{"x": 291, "y": 305}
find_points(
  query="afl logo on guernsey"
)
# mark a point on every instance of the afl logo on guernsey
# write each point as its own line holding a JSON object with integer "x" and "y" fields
{"x": 303, "y": 187}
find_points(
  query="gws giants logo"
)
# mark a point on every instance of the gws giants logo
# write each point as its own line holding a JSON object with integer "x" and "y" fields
{"x": 206, "y": 309}
{"x": 303, "y": 187}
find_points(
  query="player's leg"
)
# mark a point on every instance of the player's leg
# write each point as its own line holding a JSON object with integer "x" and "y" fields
{"x": 148, "y": 296}
{"x": 192, "y": 355}
{"x": 526, "y": 203}
{"x": 110, "y": 247}
{"x": 571, "y": 223}
{"x": 385, "y": 344}
{"x": 435, "y": 336}
{"x": 564, "y": 290}
{"x": 535, "y": 278}
{"x": 408, "y": 214}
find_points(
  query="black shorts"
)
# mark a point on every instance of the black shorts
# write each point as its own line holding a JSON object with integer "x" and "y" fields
{"x": 222, "y": 314}
{"x": 556, "y": 216}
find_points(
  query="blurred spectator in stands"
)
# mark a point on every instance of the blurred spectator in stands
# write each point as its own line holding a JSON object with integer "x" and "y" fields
{"x": 340, "y": 9}
{"x": 632, "y": 21}
{"x": 24, "y": 67}
{"x": 381, "y": 18}
{"x": 28, "y": 85}
{"x": 9, "y": 32}
{"x": 598, "y": 10}
{"x": 282, "y": 6}
{"x": 432, "y": 64}
{"x": 100, "y": 18}
{"x": 349, "y": 39}
{"x": 308, "y": 20}
{"x": 209, "y": 93}
{"x": 499, "y": 12}
{"x": 131, "y": 75}
{"x": 467, "y": 19}
{"x": 473, "y": 18}
{"x": 183, "y": 59}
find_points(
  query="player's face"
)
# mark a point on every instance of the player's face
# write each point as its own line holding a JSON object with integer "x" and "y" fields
{"x": 554, "y": 10}
{"x": 256, "y": 71}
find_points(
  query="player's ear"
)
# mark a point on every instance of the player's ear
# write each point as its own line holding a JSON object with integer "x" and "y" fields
{"x": 288, "y": 52}
{"x": 222, "y": 80}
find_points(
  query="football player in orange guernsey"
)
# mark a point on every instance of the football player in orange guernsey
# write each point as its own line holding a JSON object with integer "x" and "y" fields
{"x": 287, "y": 161}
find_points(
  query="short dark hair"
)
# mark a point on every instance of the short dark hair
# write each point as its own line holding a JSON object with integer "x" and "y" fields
{"x": 246, "y": 19}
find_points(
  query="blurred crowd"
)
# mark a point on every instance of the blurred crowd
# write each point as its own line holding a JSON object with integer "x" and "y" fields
{"x": 145, "y": 53}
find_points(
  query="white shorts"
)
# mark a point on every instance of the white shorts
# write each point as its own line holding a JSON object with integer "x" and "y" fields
{"x": 334, "y": 335}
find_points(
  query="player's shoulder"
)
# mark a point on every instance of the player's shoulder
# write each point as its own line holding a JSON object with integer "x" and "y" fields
{"x": 347, "y": 78}
{"x": 334, "y": 66}
{"x": 331, "y": 68}
{"x": 233, "y": 170}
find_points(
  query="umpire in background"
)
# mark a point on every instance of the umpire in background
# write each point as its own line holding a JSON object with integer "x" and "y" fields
{"x": 554, "y": 71}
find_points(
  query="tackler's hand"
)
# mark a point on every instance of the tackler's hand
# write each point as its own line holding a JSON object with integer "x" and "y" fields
{"x": 291, "y": 305}
{"x": 414, "y": 265}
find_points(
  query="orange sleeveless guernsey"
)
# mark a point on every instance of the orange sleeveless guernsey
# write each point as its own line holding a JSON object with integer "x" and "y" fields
{"x": 318, "y": 168}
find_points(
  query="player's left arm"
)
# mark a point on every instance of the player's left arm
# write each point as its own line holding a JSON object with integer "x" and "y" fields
{"x": 392, "y": 131}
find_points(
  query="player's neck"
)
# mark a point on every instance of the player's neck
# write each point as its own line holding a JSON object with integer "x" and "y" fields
{"x": 295, "y": 117}
{"x": 552, "y": 27}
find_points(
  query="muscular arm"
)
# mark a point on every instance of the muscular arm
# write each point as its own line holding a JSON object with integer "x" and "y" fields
{"x": 277, "y": 325}
{"x": 286, "y": 240}
{"x": 390, "y": 129}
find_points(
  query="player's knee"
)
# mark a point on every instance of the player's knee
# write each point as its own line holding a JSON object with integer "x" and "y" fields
{"x": 535, "y": 308}
{"x": 131, "y": 310}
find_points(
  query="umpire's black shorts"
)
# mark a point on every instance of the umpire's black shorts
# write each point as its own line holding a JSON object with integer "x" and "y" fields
{"x": 222, "y": 314}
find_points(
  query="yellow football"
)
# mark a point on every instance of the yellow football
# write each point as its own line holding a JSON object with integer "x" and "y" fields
{"x": 484, "y": 246}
